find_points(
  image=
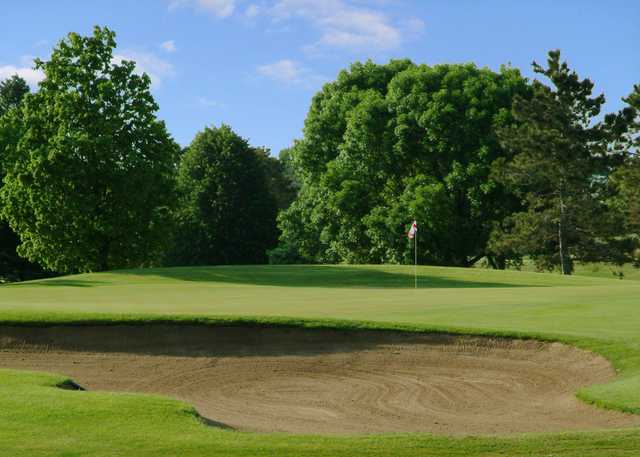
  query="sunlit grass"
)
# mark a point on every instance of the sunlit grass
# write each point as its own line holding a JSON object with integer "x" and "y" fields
{"x": 37, "y": 418}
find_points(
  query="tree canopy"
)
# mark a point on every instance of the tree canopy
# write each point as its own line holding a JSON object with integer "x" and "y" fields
{"x": 12, "y": 91}
{"x": 386, "y": 144}
{"x": 490, "y": 164}
{"x": 626, "y": 178}
{"x": 563, "y": 155}
{"x": 226, "y": 211}
{"x": 12, "y": 266}
{"x": 89, "y": 171}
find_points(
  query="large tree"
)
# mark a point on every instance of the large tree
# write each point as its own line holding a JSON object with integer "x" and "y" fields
{"x": 626, "y": 178}
{"x": 227, "y": 212}
{"x": 386, "y": 144}
{"x": 12, "y": 266}
{"x": 563, "y": 155}
{"x": 89, "y": 177}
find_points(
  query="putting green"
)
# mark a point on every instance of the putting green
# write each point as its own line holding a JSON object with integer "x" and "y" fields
{"x": 37, "y": 419}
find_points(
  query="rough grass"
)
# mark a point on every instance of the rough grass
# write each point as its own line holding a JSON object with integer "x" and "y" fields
{"x": 38, "y": 418}
{"x": 597, "y": 270}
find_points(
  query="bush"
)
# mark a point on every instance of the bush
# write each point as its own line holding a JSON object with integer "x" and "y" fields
{"x": 286, "y": 254}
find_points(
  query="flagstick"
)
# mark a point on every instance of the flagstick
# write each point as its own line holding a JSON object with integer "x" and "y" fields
{"x": 415, "y": 261}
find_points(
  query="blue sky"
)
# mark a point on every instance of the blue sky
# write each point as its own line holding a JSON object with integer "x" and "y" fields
{"x": 255, "y": 64}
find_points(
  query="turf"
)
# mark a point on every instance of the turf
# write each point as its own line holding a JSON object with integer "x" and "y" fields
{"x": 38, "y": 418}
{"x": 598, "y": 270}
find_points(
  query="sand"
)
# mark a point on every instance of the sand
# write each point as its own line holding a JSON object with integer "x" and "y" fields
{"x": 329, "y": 382}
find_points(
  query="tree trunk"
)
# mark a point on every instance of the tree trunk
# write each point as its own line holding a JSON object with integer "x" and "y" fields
{"x": 565, "y": 262}
{"x": 472, "y": 261}
{"x": 497, "y": 262}
{"x": 104, "y": 256}
{"x": 501, "y": 261}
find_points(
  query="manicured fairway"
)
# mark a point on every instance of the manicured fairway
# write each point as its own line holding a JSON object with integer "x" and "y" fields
{"x": 36, "y": 418}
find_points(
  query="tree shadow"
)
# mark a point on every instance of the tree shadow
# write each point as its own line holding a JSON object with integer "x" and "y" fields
{"x": 241, "y": 340}
{"x": 314, "y": 276}
{"x": 58, "y": 282}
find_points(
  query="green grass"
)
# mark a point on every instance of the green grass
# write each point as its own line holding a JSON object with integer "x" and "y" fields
{"x": 598, "y": 270}
{"x": 38, "y": 418}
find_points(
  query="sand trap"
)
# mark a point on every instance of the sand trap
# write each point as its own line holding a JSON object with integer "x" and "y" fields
{"x": 322, "y": 381}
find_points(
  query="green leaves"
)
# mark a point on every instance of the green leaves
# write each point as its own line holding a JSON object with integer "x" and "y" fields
{"x": 376, "y": 132}
{"x": 563, "y": 157}
{"x": 227, "y": 210}
{"x": 89, "y": 181}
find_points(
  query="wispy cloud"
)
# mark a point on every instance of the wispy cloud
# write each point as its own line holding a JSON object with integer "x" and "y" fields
{"x": 24, "y": 69}
{"x": 252, "y": 11}
{"x": 205, "y": 102}
{"x": 351, "y": 25}
{"x": 41, "y": 44}
{"x": 219, "y": 8}
{"x": 169, "y": 46}
{"x": 288, "y": 71}
{"x": 158, "y": 69}
{"x": 342, "y": 25}
{"x": 414, "y": 26}
{"x": 284, "y": 70}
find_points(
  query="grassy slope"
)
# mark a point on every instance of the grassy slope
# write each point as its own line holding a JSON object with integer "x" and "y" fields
{"x": 598, "y": 270}
{"x": 599, "y": 314}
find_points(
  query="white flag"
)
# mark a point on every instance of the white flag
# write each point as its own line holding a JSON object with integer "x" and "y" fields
{"x": 413, "y": 230}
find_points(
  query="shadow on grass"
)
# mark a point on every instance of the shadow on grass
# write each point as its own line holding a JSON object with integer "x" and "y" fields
{"x": 312, "y": 276}
{"x": 58, "y": 283}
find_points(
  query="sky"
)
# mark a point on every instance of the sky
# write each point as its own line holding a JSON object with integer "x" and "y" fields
{"x": 256, "y": 64}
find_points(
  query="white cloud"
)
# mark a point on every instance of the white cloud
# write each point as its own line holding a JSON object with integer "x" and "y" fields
{"x": 157, "y": 68}
{"x": 342, "y": 25}
{"x": 252, "y": 11}
{"x": 169, "y": 46}
{"x": 346, "y": 24}
{"x": 41, "y": 44}
{"x": 219, "y": 8}
{"x": 25, "y": 71}
{"x": 205, "y": 102}
{"x": 285, "y": 70}
{"x": 288, "y": 71}
{"x": 415, "y": 26}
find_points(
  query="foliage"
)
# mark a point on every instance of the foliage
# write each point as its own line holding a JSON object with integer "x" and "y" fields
{"x": 278, "y": 177}
{"x": 226, "y": 213}
{"x": 12, "y": 266}
{"x": 12, "y": 91}
{"x": 88, "y": 182}
{"x": 285, "y": 254}
{"x": 563, "y": 156}
{"x": 626, "y": 178}
{"x": 384, "y": 144}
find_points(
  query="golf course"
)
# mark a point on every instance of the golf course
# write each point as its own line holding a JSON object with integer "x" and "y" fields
{"x": 301, "y": 228}
{"x": 263, "y": 360}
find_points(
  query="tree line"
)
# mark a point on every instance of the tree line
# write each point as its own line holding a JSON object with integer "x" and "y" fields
{"x": 492, "y": 165}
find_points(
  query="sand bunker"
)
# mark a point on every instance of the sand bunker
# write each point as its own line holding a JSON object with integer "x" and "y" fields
{"x": 322, "y": 381}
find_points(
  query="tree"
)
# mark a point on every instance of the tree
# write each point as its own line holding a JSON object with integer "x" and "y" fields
{"x": 227, "y": 213}
{"x": 279, "y": 180}
{"x": 626, "y": 178}
{"x": 12, "y": 91}
{"x": 562, "y": 158}
{"x": 89, "y": 175}
{"x": 12, "y": 266}
{"x": 384, "y": 144}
